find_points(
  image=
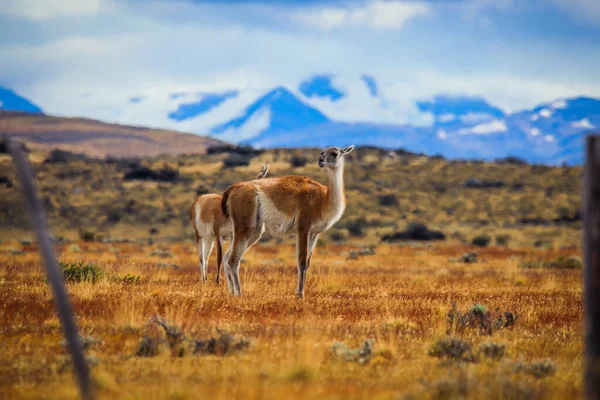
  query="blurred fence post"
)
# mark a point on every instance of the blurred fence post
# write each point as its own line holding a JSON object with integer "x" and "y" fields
{"x": 591, "y": 275}
{"x": 65, "y": 311}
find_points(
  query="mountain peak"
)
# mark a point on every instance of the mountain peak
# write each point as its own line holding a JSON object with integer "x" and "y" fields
{"x": 278, "y": 110}
{"x": 11, "y": 101}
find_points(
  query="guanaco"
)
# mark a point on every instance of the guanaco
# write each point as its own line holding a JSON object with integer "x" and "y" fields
{"x": 282, "y": 205}
{"x": 211, "y": 225}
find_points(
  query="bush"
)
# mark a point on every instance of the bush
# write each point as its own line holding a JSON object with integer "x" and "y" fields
{"x": 468, "y": 258}
{"x": 164, "y": 337}
{"x": 81, "y": 272}
{"x": 502, "y": 240}
{"x": 452, "y": 348}
{"x": 230, "y": 148}
{"x": 298, "y": 161}
{"x": 538, "y": 369}
{"x": 237, "y": 160}
{"x": 475, "y": 183}
{"x": 6, "y": 181}
{"x": 202, "y": 189}
{"x": 572, "y": 262}
{"x": 387, "y": 200}
{"x": 512, "y": 160}
{"x": 361, "y": 355}
{"x": 165, "y": 174}
{"x": 478, "y": 317}
{"x": 337, "y": 236}
{"x": 62, "y": 156}
{"x": 492, "y": 350}
{"x": 481, "y": 240}
{"x": 356, "y": 227}
{"x": 221, "y": 345}
{"x": 415, "y": 231}
{"x": 87, "y": 235}
{"x": 114, "y": 216}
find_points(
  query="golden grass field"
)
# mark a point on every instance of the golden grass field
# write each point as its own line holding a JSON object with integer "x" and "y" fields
{"x": 399, "y": 297}
{"x": 399, "y": 300}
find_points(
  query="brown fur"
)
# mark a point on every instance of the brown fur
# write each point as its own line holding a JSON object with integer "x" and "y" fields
{"x": 211, "y": 214}
{"x": 292, "y": 202}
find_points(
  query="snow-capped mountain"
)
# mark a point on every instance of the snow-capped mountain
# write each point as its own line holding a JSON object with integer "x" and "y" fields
{"x": 463, "y": 127}
{"x": 276, "y": 113}
{"x": 309, "y": 116}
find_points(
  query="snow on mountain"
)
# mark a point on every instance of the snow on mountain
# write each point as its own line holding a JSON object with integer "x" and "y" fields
{"x": 275, "y": 113}
{"x": 461, "y": 127}
{"x": 207, "y": 102}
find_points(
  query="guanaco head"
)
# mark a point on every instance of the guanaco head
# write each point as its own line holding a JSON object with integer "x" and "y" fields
{"x": 332, "y": 157}
{"x": 263, "y": 172}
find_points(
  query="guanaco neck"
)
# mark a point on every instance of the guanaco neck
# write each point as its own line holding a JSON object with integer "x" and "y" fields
{"x": 336, "y": 197}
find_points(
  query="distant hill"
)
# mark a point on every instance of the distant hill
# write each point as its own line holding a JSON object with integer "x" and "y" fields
{"x": 98, "y": 139}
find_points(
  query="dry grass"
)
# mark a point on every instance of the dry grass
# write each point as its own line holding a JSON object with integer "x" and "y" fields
{"x": 399, "y": 297}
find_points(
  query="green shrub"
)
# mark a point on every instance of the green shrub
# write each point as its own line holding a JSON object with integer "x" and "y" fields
{"x": 452, "y": 348}
{"x": 81, "y": 272}
{"x": 481, "y": 240}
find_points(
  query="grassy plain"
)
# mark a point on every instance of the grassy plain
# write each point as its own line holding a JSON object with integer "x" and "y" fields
{"x": 399, "y": 297}
{"x": 139, "y": 234}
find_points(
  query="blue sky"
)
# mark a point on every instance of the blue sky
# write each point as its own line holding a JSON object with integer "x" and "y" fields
{"x": 91, "y": 57}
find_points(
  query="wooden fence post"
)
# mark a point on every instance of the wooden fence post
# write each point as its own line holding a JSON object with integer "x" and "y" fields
{"x": 591, "y": 275}
{"x": 61, "y": 298}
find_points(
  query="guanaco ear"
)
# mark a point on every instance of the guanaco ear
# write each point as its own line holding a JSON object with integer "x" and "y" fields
{"x": 347, "y": 150}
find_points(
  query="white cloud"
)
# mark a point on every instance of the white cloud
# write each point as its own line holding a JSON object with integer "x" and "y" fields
{"x": 382, "y": 15}
{"x": 559, "y": 104}
{"x": 549, "y": 138}
{"x": 472, "y": 118}
{"x": 150, "y": 52}
{"x": 442, "y": 134}
{"x": 535, "y": 131}
{"x": 546, "y": 113}
{"x": 496, "y": 126}
{"x": 534, "y": 117}
{"x": 583, "y": 124}
{"x": 448, "y": 117}
{"x": 39, "y": 10}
